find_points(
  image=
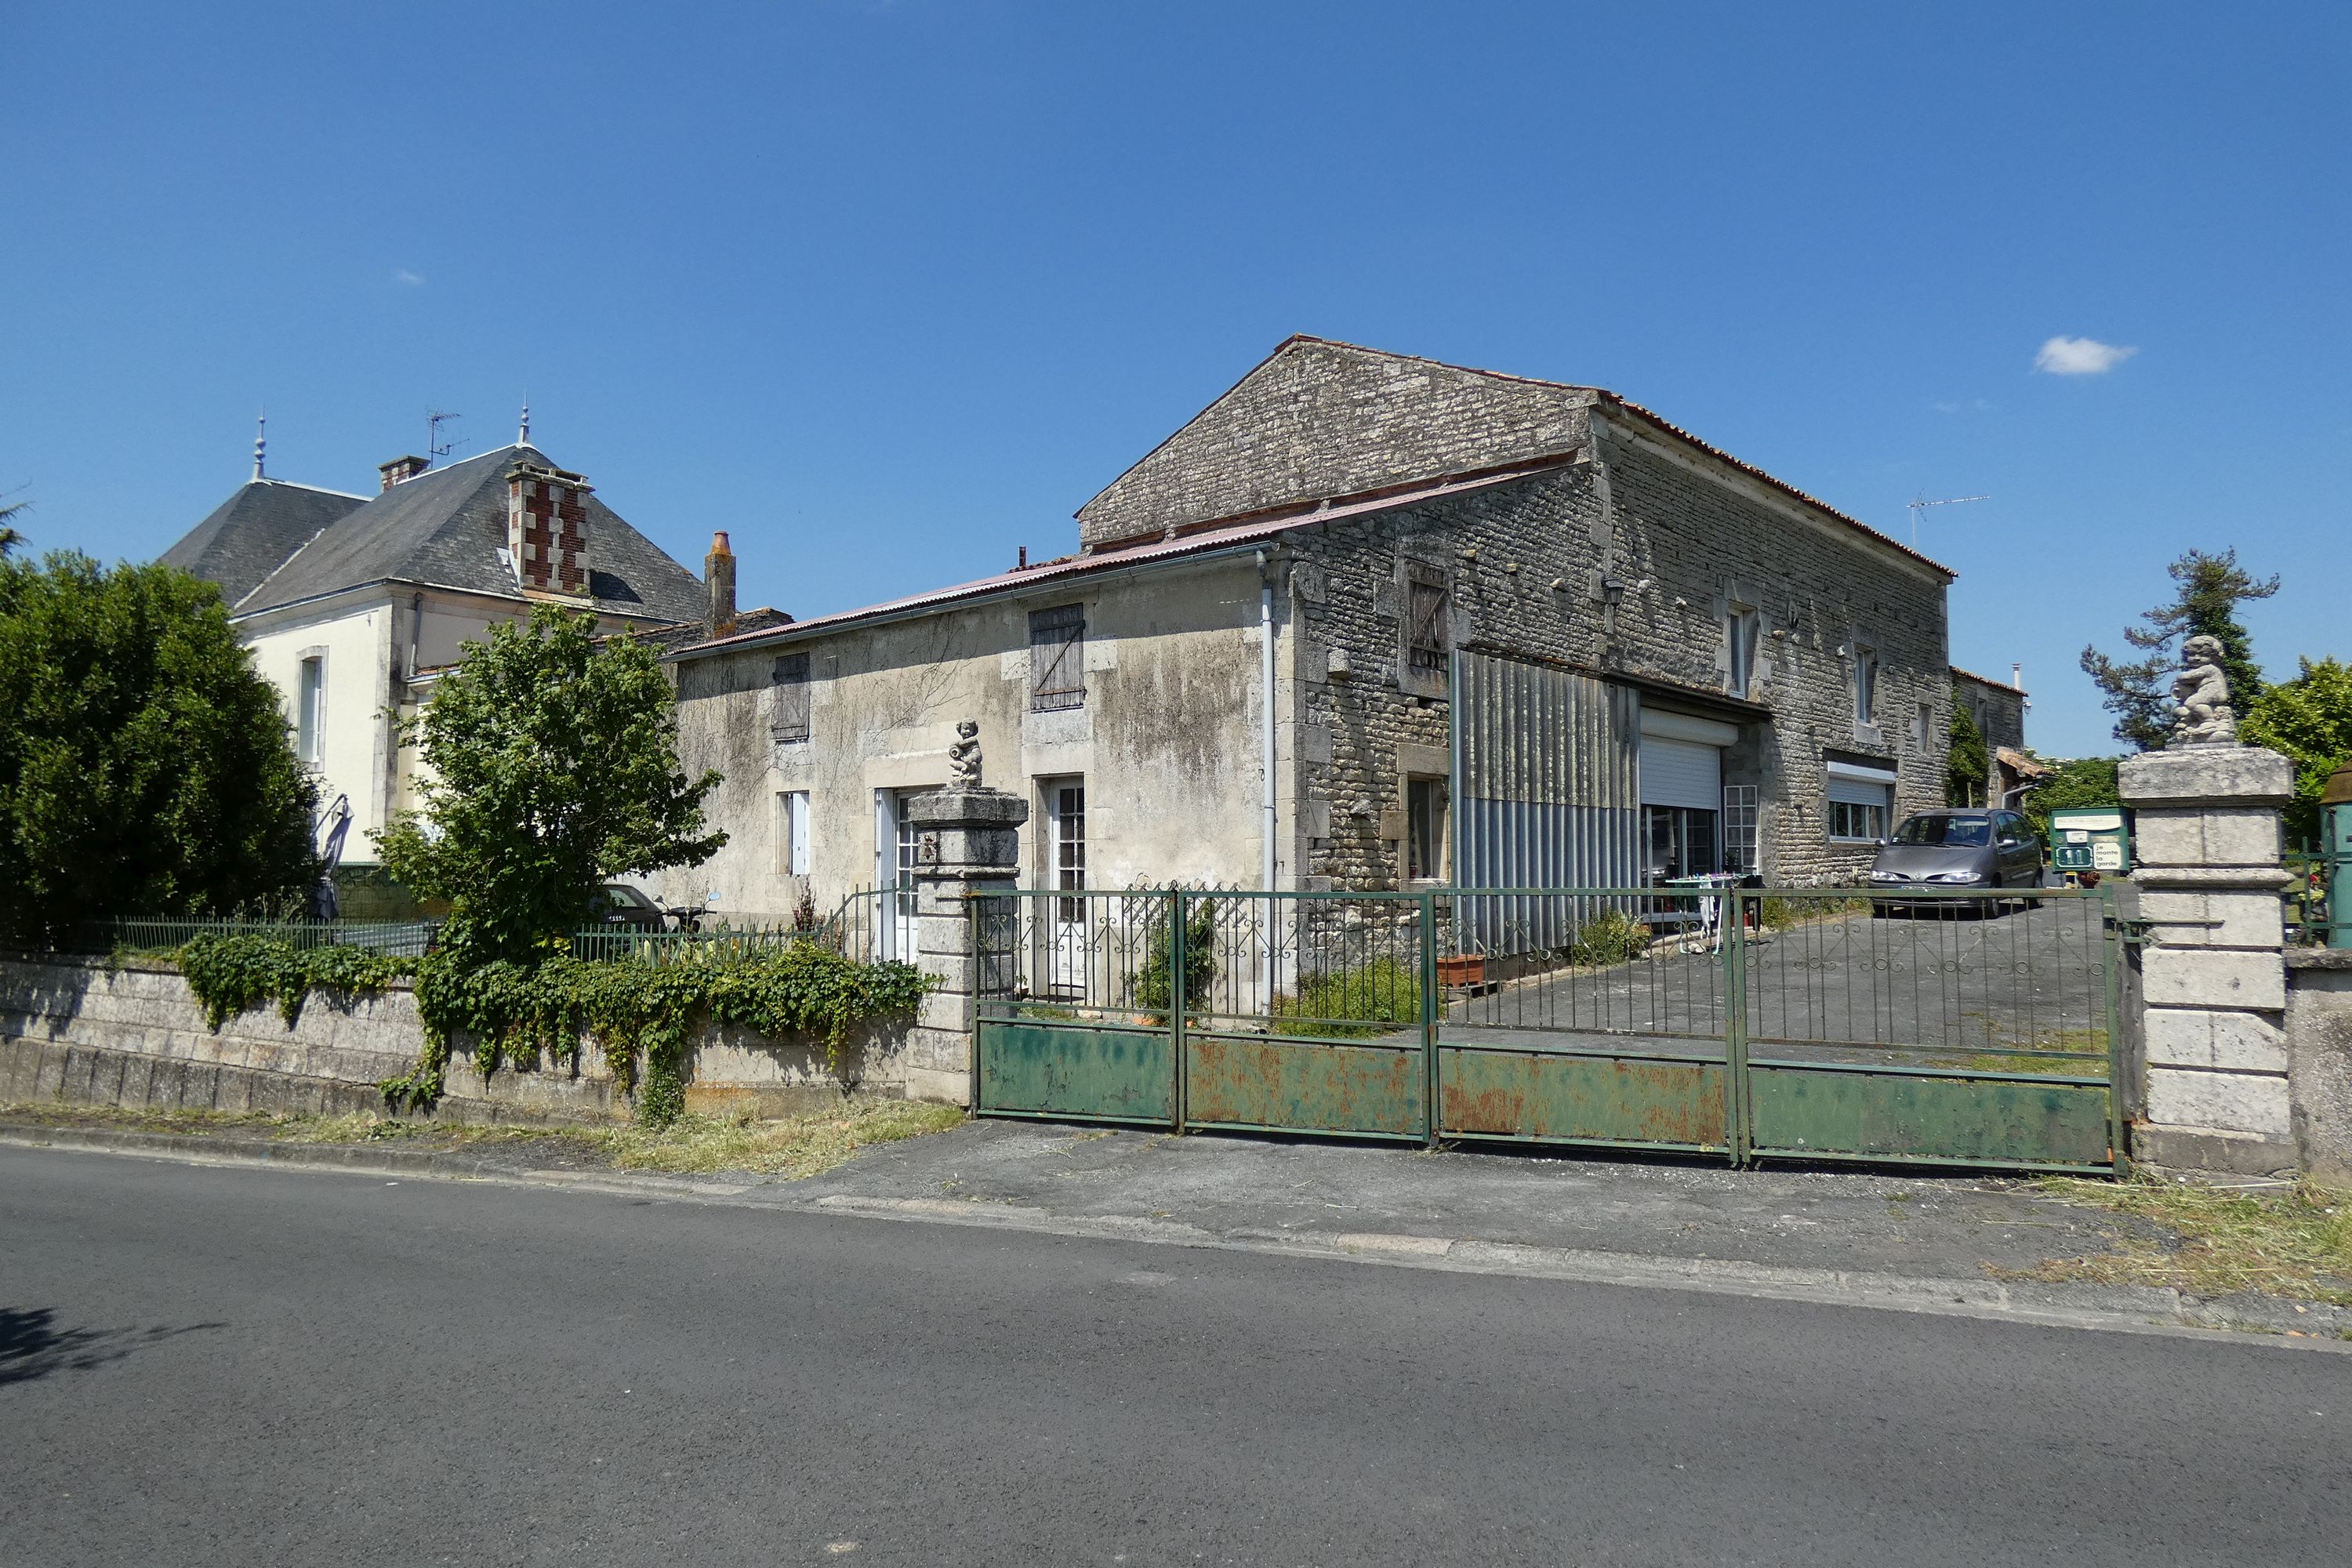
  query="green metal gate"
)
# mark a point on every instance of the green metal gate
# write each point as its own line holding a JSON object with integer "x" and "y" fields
{"x": 1965, "y": 1030}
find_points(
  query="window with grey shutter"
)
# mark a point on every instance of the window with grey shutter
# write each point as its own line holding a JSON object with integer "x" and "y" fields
{"x": 1425, "y": 618}
{"x": 791, "y": 678}
{"x": 1057, "y": 657}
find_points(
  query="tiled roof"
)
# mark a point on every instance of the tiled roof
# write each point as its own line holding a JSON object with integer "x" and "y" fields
{"x": 252, "y": 533}
{"x": 445, "y": 528}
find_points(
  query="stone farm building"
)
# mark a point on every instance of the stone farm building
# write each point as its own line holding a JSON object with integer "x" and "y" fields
{"x": 1366, "y": 621}
{"x": 353, "y": 604}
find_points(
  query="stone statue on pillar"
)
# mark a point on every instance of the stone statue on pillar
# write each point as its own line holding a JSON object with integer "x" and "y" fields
{"x": 963, "y": 757}
{"x": 2200, "y": 697}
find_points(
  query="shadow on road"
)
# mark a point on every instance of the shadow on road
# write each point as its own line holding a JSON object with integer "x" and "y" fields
{"x": 32, "y": 1346}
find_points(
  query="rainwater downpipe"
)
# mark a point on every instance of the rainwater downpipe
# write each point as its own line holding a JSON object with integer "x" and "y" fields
{"x": 415, "y": 625}
{"x": 1265, "y": 669}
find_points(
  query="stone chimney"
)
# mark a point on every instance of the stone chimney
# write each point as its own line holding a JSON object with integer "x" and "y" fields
{"x": 718, "y": 578}
{"x": 403, "y": 469}
{"x": 547, "y": 529}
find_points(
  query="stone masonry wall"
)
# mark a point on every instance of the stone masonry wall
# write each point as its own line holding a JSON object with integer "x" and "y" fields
{"x": 1525, "y": 561}
{"x": 134, "y": 1035}
{"x": 1320, "y": 419}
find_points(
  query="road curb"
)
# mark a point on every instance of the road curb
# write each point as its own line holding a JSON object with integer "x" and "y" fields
{"x": 2108, "y": 1307}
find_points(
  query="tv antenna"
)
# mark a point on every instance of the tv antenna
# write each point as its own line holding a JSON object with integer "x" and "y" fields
{"x": 435, "y": 449}
{"x": 1923, "y": 503}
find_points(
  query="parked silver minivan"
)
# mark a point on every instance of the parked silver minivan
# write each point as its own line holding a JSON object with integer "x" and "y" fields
{"x": 1955, "y": 849}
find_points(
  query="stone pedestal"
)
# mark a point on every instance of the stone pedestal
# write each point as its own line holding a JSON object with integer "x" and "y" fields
{"x": 966, "y": 841}
{"x": 2214, "y": 1090}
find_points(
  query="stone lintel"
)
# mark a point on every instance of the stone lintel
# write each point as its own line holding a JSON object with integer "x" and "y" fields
{"x": 979, "y": 808}
{"x": 2190, "y": 775}
{"x": 2213, "y": 879}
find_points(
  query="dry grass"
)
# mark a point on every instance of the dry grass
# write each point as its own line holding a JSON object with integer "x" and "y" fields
{"x": 792, "y": 1147}
{"x": 2292, "y": 1241}
{"x": 2082, "y": 1053}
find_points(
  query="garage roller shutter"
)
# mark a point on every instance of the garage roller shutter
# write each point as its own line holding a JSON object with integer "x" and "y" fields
{"x": 1682, "y": 773}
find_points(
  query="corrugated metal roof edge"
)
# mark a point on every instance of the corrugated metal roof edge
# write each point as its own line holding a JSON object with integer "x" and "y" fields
{"x": 1209, "y": 540}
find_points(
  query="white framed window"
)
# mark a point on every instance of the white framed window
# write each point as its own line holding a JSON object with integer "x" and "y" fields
{"x": 310, "y": 710}
{"x": 1865, "y": 684}
{"x": 1861, "y": 800}
{"x": 793, "y": 833}
{"x": 1743, "y": 631}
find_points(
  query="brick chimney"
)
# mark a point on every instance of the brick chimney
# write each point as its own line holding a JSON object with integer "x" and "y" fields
{"x": 400, "y": 469}
{"x": 547, "y": 528}
{"x": 718, "y": 579}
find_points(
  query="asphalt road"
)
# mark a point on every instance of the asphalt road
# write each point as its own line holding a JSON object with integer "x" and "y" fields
{"x": 245, "y": 1366}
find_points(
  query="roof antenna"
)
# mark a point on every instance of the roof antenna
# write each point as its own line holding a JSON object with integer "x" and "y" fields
{"x": 524, "y": 438}
{"x": 260, "y": 443}
{"x": 435, "y": 449}
{"x": 1923, "y": 503}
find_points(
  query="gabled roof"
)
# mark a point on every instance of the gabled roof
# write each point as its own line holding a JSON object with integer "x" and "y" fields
{"x": 250, "y": 535}
{"x": 1318, "y": 417}
{"x": 445, "y": 527}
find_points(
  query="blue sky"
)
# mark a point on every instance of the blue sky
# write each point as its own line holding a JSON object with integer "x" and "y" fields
{"x": 889, "y": 289}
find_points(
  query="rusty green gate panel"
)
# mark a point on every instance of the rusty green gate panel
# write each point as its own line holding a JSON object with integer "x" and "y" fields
{"x": 1617, "y": 1101}
{"x": 1360, "y": 1089}
{"x": 1086, "y": 1071}
{"x": 1816, "y": 1110}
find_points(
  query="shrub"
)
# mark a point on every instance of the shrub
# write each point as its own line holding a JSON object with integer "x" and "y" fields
{"x": 1611, "y": 937}
{"x": 1154, "y": 987}
{"x": 1384, "y": 992}
{"x": 233, "y": 974}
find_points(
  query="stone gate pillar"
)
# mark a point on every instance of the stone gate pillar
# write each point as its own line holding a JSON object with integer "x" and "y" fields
{"x": 967, "y": 840}
{"x": 2213, "y": 1091}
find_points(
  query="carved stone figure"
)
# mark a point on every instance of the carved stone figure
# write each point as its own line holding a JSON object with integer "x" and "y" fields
{"x": 963, "y": 757}
{"x": 2200, "y": 696}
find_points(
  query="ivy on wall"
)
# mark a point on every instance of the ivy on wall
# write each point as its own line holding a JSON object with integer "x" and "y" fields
{"x": 232, "y": 974}
{"x": 641, "y": 1013}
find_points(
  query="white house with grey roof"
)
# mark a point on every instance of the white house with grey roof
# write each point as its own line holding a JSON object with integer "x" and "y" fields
{"x": 352, "y": 604}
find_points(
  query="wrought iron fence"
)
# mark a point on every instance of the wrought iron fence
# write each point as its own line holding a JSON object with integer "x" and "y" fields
{"x": 1947, "y": 1027}
{"x": 859, "y": 927}
{"x": 396, "y": 939}
{"x": 2305, "y": 896}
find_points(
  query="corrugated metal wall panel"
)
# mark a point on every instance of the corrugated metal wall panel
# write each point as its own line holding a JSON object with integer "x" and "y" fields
{"x": 1545, "y": 792}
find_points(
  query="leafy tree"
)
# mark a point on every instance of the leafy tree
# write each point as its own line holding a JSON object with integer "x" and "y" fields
{"x": 2137, "y": 691}
{"x": 553, "y": 765}
{"x": 2071, "y": 781}
{"x": 1966, "y": 764}
{"x": 2309, "y": 719}
{"x": 9, "y": 537}
{"x": 144, "y": 767}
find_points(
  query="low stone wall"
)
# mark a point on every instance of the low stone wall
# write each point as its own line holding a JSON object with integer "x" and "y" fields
{"x": 2319, "y": 1059}
{"x": 133, "y": 1035}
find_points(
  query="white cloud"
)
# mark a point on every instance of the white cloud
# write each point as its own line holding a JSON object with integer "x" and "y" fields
{"x": 2080, "y": 356}
{"x": 416, "y": 281}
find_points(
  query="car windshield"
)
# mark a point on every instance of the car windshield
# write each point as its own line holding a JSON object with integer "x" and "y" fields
{"x": 1962, "y": 832}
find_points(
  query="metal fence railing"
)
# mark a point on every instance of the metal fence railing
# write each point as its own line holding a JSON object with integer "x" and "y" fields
{"x": 861, "y": 928}
{"x": 1961, "y": 1027}
{"x": 394, "y": 939}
